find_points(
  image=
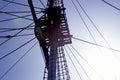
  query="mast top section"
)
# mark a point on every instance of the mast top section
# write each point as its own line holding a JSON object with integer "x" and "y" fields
{"x": 54, "y": 3}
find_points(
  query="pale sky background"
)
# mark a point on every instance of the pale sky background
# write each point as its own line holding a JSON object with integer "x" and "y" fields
{"x": 105, "y": 62}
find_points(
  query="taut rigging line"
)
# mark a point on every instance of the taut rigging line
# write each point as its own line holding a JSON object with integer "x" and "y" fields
{"x": 94, "y": 25}
{"x": 79, "y": 63}
{"x": 18, "y": 61}
{"x": 20, "y": 4}
{"x": 16, "y": 34}
{"x": 73, "y": 64}
{"x": 95, "y": 44}
{"x": 111, "y": 5}
{"x": 17, "y": 48}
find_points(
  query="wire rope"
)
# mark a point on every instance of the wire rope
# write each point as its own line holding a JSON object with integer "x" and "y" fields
{"x": 92, "y": 36}
{"x": 9, "y": 36}
{"x": 92, "y": 22}
{"x": 5, "y": 5}
{"x": 86, "y": 61}
{"x": 79, "y": 63}
{"x": 73, "y": 64}
{"x": 16, "y": 17}
{"x": 18, "y": 11}
{"x": 21, "y": 4}
{"x": 95, "y": 44}
{"x": 42, "y": 3}
{"x": 111, "y": 5}
{"x": 85, "y": 24}
{"x": 2, "y": 30}
{"x": 15, "y": 34}
{"x": 17, "y": 28}
{"x": 17, "y": 61}
{"x": 16, "y": 49}
{"x": 96, "y": 27}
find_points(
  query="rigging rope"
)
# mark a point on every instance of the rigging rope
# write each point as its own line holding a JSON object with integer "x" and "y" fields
{"x": 16, "y": 16}
{"x": 79, "y": 63}
{"x": 9, "y": 36}
{"x": 94, "y": 25}
{"x": 18, "y": 61}
{"x": 2, "y": 30}
{"x": 15, "y": 34}
{"x": 16, "y": 49}
{"x": 18, "y": 11}
{"x": 21, "y": 4}
{"x": 73, "y": 64}
{"x": 83, "y": 21}
{"x": 111, "y": 5}
{"x": 42, "y": 3}
{"x": 86, "y": 61}
{"x": 5, "y": 5}
{"x": 17, "y": 28}
{"x": 85, "y": 24}
{"x": 95, "y": 44}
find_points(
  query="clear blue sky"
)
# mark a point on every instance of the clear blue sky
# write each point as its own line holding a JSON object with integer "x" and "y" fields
{"x": 105, "y": 62}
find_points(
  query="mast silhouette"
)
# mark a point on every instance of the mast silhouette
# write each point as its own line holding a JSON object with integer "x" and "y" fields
{"x": 52, "y": 32}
